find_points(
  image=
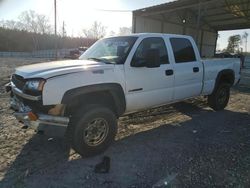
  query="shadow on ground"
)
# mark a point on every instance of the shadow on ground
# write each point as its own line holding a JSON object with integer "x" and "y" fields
{"x": 210, "y": 149}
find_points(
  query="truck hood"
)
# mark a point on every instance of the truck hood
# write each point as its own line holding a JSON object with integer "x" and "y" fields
{"x": 56, "y": 68}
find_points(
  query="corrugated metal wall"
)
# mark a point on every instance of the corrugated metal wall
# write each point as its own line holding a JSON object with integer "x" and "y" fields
{"x": 206, "y": 39}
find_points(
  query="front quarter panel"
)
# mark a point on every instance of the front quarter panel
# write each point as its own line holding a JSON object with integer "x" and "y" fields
{"x": 56, "y": 87}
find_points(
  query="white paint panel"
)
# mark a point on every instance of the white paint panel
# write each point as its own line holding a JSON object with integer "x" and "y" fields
{"x": 214, "y": 66}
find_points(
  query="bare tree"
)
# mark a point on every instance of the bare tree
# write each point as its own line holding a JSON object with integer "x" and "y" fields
{"x": 36, "y": 23}
{"x": 29, "y": 21}
{"x": 33, "y": 22}
{"x": 233, "y": 43}
{"x": 10, "y": 24}
{"x": 125, "y": 30}
{"x": 43, "y": 24}
{"x": 96, "y": 31}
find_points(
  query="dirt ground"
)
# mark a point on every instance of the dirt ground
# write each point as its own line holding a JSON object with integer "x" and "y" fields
{"x": 181, "y": 145}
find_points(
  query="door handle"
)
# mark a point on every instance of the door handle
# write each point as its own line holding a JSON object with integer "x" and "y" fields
{"x": 169, "y": 72}
{"x": 196, "y": 69}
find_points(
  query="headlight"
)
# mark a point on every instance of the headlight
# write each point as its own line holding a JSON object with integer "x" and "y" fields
{"x": 35, "y": 85}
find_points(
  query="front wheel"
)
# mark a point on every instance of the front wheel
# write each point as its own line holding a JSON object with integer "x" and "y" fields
{"x": 92, "y": 130}
{"x": 218, "y": 100}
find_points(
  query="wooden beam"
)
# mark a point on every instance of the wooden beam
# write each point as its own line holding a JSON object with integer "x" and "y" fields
{"x": 179, "y": 24}
{"x": 224, "y": 6}
{"x": 228, "y": 19}
{"x": 151, "y": 11}
{"x": 223, "y": 13}
{"x": 225, "y": 27}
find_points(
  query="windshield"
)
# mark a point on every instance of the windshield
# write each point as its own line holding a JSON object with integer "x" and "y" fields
{"x": 110, "y": 50}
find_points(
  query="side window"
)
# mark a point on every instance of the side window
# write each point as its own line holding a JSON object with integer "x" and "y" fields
{"x": 183, "y": 50}
{"x": 151, "y": 43}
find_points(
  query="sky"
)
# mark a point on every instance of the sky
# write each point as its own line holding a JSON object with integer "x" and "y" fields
{"x": 79, "y": 14}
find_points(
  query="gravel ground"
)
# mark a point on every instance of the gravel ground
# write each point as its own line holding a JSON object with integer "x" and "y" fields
{"x": 181, "y": 145}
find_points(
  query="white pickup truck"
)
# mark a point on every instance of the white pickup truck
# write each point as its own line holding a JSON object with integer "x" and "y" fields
{"x": 116, "y": 76}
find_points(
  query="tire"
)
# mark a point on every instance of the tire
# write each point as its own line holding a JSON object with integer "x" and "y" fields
{"x": 92, "y": 130}
{"x": 218, "y": 100}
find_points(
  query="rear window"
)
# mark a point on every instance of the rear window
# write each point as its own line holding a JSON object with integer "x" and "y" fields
{"x": 183, "y": 50}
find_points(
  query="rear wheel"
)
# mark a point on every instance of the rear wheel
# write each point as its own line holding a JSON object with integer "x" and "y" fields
{"x": 218, "y": 100}
{"x": 92, "y": 130}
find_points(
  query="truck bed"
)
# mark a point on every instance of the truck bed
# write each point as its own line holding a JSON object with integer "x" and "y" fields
{"x": 213, "y": 66}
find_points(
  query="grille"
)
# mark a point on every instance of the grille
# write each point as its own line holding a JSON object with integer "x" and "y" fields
{"x": 18, "y": 81}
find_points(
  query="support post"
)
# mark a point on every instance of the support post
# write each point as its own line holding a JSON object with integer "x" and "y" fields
{"x": 201, "y": 43}
{"x": 198, "y": 23}
{"x": 55, "y": 29}
{"x": 134, "y": 24}
{"x": 215, "y": 45}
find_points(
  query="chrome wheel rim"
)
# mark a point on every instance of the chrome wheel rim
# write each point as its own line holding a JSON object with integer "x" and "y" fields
{"x": 96, "y": 132}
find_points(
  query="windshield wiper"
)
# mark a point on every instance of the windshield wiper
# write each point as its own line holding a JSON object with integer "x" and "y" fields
{"x": 99, "y": 60}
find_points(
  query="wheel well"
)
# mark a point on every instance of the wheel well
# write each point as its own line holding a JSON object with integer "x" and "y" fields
{"x": 225, "y": 76}
{"x": 108, "y": 94}
{"x": 104, "y": 98}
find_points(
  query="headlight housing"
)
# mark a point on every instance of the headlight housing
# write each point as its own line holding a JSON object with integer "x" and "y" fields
{"x": 35, "y": 85}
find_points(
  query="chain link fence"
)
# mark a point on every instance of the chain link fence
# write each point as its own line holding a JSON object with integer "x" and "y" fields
{"x": 61, "y": 53}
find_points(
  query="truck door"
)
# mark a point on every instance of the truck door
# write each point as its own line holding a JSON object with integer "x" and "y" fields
{"x": 188, "y": 71}
{"x": 148, "y": 86}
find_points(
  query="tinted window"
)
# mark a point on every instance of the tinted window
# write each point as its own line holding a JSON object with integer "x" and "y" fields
{"x": 183, "y": 50}
{"x": 151, "y": 43}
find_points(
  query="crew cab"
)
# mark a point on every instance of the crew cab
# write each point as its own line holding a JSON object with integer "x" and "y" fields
{"x": 116, "y": 76}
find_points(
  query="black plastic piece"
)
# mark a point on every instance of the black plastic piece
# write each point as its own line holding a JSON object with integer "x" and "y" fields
{"x": 196, "y": 69}
{"x": 169, "y": 72}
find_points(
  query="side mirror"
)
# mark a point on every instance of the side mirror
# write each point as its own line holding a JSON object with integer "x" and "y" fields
{"x": 153, "y": 58}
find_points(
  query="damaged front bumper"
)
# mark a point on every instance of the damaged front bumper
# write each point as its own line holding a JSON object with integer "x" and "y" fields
{"x": 48, "y": 124}
{"x": 25, "y": 117}
{"x": 51, "y": 125}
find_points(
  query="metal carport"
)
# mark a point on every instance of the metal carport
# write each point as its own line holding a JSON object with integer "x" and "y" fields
{"x": 202, "y": 19}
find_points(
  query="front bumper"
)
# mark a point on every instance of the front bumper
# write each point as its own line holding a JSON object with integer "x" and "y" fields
{"x": 50, "y": 125}
{"x": 42, "y": 119}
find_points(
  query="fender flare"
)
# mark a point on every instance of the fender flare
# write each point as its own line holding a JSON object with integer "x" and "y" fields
{"x": 114, "y": 89}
